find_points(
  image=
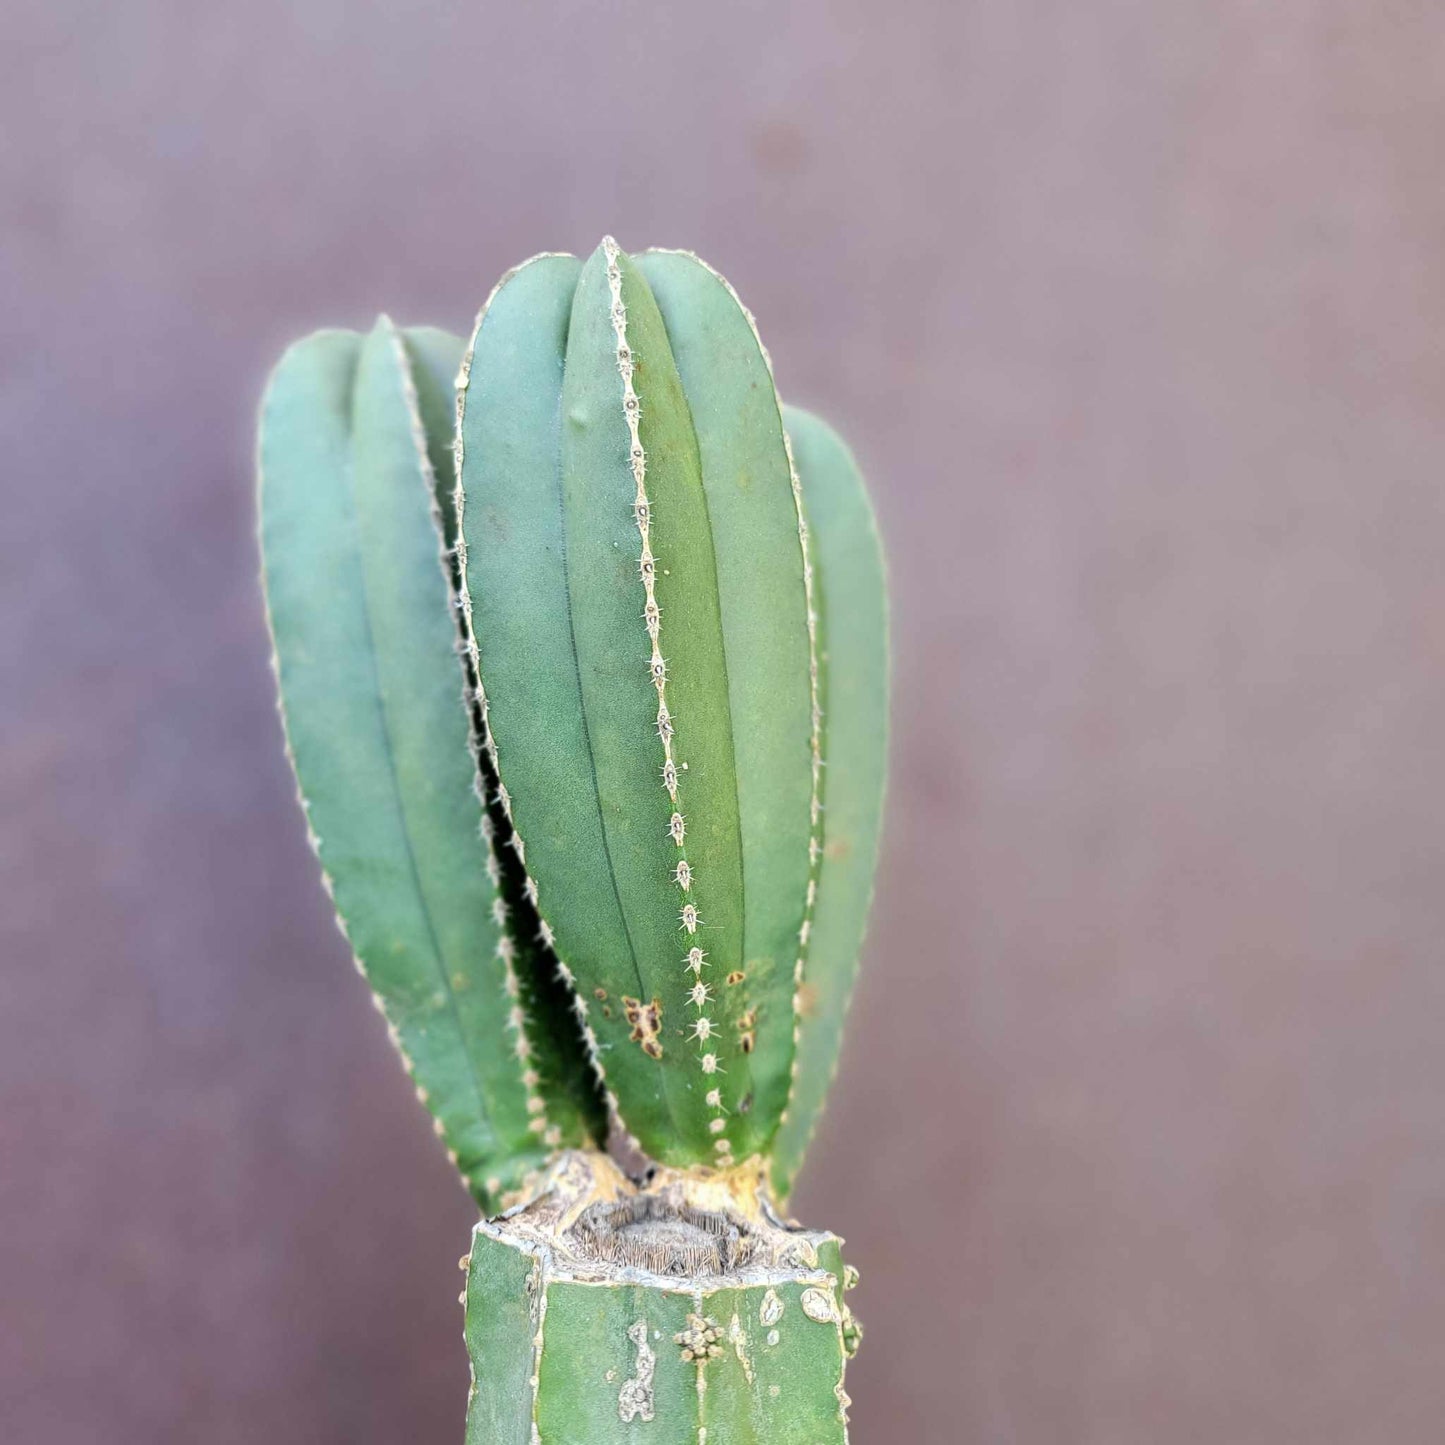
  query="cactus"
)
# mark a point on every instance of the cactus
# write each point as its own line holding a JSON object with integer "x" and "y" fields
{"x": 582, "y": 669}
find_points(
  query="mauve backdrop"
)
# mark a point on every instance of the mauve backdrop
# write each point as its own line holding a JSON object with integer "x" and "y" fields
{"x": 1136, "y": 315}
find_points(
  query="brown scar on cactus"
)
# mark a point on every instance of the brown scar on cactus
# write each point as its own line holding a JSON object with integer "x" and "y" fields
{"x": 646, "y": 1021}
{"x": 747, "y": 1030}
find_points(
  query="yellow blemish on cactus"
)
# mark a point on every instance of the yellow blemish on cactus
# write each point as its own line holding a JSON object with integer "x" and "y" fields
{"x": 634, "y": 1400}
{"x": 700, "y": 1340}
{"x": 738, "y": 1339}
{"x": 646, "y": 1021}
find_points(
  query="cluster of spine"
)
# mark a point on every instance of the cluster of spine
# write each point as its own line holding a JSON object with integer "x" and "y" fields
{"x": 485, "y": 749}
{"x": 699, "y": 994}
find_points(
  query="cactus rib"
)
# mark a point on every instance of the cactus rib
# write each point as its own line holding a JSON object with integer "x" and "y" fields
{"x": 548, "y": 1043}
{"x": 517, "y": 1018}
{"x": 368, "y": 687}
{"x": 525, "y": 317}
{"x": 853, "y": 679}
{"x": 700, "y": 995}
{"x": 762, "y": 598}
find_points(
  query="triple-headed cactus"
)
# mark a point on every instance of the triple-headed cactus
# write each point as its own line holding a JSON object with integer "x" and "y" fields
{"x": 585, "y": 684}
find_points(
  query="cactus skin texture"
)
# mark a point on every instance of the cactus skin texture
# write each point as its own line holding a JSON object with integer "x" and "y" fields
{"x": 585, "y": 1322}
{"x": 853, "y": 664}
{"x": 583, "y": 670}
{"x": 371, "y": 695}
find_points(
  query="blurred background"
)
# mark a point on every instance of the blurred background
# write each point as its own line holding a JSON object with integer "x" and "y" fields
{"x": 1136, "y": 316}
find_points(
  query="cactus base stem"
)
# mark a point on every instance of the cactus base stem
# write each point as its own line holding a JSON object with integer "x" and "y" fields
{"x": 684, "y": 1304}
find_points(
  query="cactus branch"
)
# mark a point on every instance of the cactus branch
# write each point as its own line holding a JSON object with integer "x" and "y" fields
{"x": 364, "y": 654}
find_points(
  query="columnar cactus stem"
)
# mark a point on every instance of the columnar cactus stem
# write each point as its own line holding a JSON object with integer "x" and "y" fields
{"x": 370, "y": 690}
{"x": 584, "y": 683}
{"x": 686, "y": 1307}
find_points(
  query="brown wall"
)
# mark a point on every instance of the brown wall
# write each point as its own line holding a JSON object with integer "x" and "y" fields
{"x": 1135, "y": 312}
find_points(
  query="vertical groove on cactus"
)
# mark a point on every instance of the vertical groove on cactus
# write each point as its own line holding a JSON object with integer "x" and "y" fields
{"x": 553, "y": 562}
{"x": 699, "y": 993}
{"x": 510, "y": 426}
{"x": 440, "y": 1124}
{"x": 488, "y": 765}
{"x": 367, "y": 683}
{"x": 539, "y": 1120}
{"x": 550, "y": 1050}
{"x": 752, "y": 517}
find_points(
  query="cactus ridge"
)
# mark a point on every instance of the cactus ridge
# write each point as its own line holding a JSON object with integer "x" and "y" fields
{"x": 367, "y": 689}
{"x": 488, "y": 754}
{"x": 815, "y": 710}
{"x": 398, "y": 1040}
{"x": 762, "y": 598}
{"x": 537, "y": 1011}
{"x": 815, "y": 801}
{"x": 517, "y": 1018}
{"x": 548, "y": 1047}
{"x": 699, "y": 993}
{"x": 852, "y": 652}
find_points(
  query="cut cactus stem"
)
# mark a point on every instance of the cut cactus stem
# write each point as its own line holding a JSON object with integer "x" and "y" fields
{"x": 685, "y": 1305}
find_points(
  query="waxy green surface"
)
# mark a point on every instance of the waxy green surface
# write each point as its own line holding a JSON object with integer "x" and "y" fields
{"x": 555, "y": 1045}
{"x": 851, "y": 598}
{"x": 554, "y": 555}
{"x": 762, "y": 603}
{"x": 579, "y": 886}
{"x": 601, "y": 1363}
{"x": 371, "y": 694}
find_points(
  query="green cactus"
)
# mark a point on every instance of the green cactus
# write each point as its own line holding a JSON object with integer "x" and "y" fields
{"x": 585, "y": 688}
